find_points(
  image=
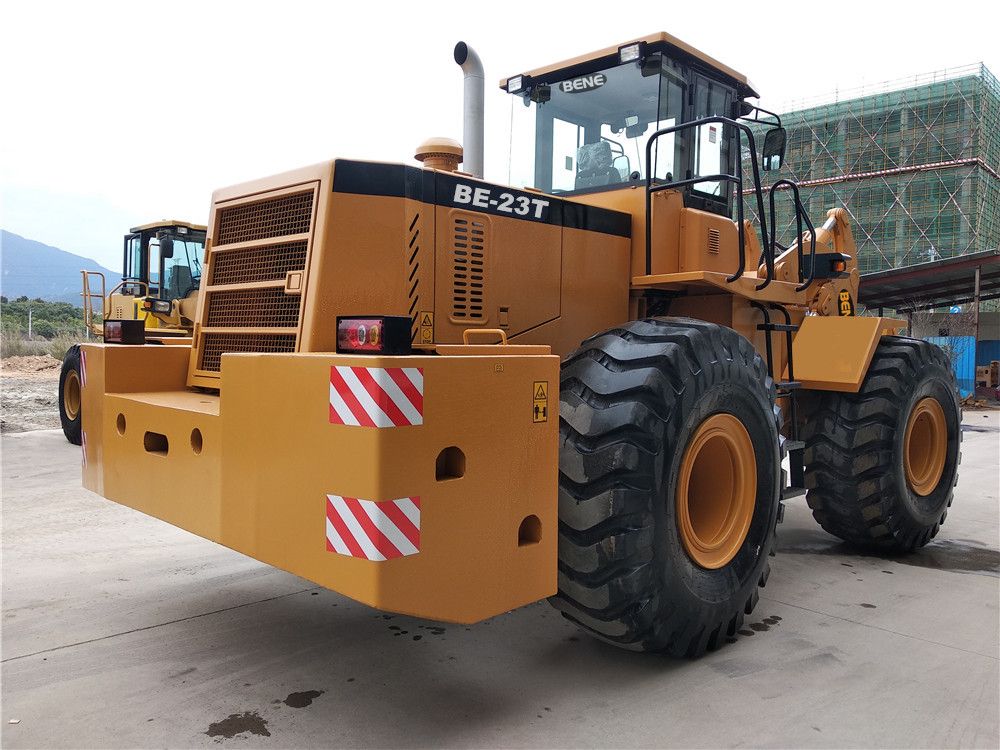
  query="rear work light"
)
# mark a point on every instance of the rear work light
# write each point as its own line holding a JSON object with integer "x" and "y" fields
{"x": 124, "y": 332}
{"x": 381, "y": 334}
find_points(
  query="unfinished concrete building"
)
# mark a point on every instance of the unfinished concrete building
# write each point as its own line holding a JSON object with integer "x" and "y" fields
{"x": 915, "y": 162}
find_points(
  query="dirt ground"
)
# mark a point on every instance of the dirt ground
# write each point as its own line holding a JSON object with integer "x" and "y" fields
{"x": 29, "y": 398}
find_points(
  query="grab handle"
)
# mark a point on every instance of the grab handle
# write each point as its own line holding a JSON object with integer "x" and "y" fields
{"x": 468, "y": 333}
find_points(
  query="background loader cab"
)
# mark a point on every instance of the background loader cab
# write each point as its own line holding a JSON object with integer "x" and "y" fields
{"x": 161, "y": 274}
{"x": 162, "y": 261}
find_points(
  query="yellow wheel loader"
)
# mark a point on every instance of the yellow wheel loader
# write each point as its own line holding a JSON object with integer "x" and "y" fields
{"x": 447, "y": 397}
{"x": 158, "y": 293}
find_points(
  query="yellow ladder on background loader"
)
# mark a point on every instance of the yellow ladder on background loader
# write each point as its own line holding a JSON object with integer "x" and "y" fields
{"x": 88, "y": 302}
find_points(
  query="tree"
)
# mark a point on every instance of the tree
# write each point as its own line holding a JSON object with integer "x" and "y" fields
{"x": 43, "y": 328}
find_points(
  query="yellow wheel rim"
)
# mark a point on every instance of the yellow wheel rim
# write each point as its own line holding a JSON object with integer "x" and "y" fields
{"x": 71, "y": 395}
{"x": 716, "y": 491}
{"x": 925, "y": 446}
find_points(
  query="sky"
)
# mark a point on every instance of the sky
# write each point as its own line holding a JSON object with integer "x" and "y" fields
{"x": 117, "y": 114}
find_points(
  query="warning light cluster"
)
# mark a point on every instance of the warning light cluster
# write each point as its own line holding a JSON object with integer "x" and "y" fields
{"x": 388, "y": 334}
{"x": 359, "y": 335}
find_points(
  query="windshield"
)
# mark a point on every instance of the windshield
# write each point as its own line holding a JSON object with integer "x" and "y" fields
{"x": 590, "y": 131}
{"x": 182, "y": 272}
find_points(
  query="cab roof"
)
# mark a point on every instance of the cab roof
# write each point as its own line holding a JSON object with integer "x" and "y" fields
{"x": 168, "y": 223}
{"x": 659, "y": 42}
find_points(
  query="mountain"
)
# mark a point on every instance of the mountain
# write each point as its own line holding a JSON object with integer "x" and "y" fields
{"x": 36, "y": 270}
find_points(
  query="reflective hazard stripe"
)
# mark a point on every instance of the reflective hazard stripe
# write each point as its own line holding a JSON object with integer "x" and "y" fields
{"x": 373, "y": 530}
{"x": 83, "y": 367}
{"x": 376, "y": 396}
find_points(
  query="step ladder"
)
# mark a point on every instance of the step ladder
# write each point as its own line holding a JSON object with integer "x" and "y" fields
{"x": 794, "y": 446}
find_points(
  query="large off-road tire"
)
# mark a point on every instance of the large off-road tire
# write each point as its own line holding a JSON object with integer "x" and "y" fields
{"x": 669, "y": 471}
{"x": 881, "y": 464}
{"x": 69, "y": 395}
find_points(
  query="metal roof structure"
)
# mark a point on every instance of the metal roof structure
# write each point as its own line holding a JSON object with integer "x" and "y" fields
{"x": 939, "y": 283}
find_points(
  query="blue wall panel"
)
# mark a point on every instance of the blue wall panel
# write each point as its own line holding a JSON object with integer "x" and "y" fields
{"x": 962, "y": 352}
{"x": 988, "y": 351}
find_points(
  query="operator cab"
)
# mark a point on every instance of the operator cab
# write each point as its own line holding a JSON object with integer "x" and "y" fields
{"x": 582, "y": 126}
{"x": 164, "y": 259}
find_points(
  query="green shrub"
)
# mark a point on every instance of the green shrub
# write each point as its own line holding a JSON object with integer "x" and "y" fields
{"x": 60, "y": 345}
{"x": 43, "y": 328}
{"x": 16, "y": 346}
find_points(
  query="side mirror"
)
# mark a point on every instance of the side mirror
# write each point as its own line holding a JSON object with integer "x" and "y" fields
{"x": 774, "y": 149}
{"x": 167, "y": 246}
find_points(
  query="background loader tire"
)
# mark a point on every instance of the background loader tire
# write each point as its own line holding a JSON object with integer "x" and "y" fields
{"x": 69, "y": 395}
{"x": 631, "y": 400}
{"x": 863, "y": 457}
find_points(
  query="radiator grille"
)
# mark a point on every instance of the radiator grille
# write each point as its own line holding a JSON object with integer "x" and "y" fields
{"x": 469, "y": 269}
{"x": 213, "y": 345}
{"x": 258, "y": 263}
{"x": 276, "y": 217}
{"x": 245, "y": 307}
{"x": 269, "y": 307}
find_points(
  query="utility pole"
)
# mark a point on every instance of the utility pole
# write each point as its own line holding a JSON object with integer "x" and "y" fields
{"x": 975, "y": 317}
{"x": 29, "y": 323}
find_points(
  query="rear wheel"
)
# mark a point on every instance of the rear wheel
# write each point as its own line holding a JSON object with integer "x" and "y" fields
{"x": 669, "y": 482}
{"x": 881, "y": 464}
{"x": 70, "y": 402}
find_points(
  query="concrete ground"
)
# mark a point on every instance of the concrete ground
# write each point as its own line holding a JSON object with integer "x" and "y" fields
{"x": 122, "y": 631}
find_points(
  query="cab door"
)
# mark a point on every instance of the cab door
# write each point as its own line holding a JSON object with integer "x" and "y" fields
{"x": 713, "y": 147}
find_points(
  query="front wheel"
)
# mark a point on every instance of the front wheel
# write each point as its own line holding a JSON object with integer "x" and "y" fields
{"x": 669, "y": 480}
{"x": 881, "y": 464}
{"x": 70, "y": 401}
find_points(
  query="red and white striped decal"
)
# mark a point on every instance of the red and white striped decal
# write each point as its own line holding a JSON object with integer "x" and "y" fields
{"x": 83, "y": 446}
{"x": 373, "y": 530}
{"x": 376, "y": 396}
{"x": 83, "y": 367}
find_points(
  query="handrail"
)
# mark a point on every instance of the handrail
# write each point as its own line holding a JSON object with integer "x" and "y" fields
{"x": 767, "y": 338}
{"x": 733, "y": 178}
{"x": 131, "y": 282}
{"x": 88, "y": 298}
{"x": 800, "y": 215}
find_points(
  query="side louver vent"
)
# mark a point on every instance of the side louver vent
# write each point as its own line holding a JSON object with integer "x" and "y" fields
{"x": 713, "y": 241}
{"x": 469, "y": 265}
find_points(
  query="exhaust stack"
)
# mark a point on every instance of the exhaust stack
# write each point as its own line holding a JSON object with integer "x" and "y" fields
{"x": 472, "y": 120}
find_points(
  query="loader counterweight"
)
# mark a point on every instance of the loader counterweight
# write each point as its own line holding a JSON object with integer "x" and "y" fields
{"x": 442, "y": 507}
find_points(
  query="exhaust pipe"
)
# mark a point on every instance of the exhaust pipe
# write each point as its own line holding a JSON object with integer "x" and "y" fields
{"x": 472, "y": 118}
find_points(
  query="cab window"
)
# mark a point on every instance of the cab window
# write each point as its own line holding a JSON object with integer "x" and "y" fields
{"x": 133, "y": 257}
{"x": 154, "y": 266}
{"x": 712, "y": 142}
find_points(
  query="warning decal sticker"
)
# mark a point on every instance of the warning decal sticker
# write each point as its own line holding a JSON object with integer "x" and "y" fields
{"x": 376, "y": 396}
{"x": 540, "y": 401}
{"x": 372, "y": 530}
{"x": 426, "y": 327}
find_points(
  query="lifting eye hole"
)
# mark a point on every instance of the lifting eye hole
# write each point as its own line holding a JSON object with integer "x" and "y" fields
{"x": 530, "y": 531}
{"x": 450, "y": 464}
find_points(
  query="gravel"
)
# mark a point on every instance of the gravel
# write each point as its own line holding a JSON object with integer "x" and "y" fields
{"x": 29, "y": 398}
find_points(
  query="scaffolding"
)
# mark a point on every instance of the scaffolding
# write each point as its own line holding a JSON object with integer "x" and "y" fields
{"x": 915, "y": 166}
